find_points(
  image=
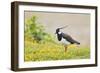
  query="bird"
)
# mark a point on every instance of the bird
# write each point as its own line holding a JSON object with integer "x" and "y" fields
{"x": 64, "y": 36}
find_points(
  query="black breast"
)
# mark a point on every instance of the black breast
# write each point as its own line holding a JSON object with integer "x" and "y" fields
{"x": 59, "y": 36}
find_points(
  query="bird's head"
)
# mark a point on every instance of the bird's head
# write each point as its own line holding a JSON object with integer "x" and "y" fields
{"x": 58, "y": 29}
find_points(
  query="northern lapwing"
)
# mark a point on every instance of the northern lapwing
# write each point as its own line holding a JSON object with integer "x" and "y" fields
{"x": 65, "y": 38}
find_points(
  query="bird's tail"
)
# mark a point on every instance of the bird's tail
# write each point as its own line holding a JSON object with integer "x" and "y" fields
{"x": 76, "y": 42}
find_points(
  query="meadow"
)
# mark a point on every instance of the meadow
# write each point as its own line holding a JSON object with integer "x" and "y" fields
{"x": 41, "y": 46}
{"x": 51, "y": 51}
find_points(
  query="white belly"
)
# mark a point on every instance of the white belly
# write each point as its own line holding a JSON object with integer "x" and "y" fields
{"x": 63, "y": 41}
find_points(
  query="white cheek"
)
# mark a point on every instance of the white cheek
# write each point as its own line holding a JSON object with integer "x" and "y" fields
{"x": 59, "y": 32}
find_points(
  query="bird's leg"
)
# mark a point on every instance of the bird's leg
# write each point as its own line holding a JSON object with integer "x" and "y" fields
{"x": 66, "y": 48}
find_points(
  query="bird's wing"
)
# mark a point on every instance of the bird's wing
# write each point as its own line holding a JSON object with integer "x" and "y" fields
{"x": 69, "y": 38}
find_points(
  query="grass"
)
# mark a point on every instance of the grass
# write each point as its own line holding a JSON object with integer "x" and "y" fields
{"x": 53, "y": 51}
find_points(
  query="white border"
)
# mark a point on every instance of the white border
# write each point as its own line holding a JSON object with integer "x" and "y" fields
{"x": 23, "y": 64}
